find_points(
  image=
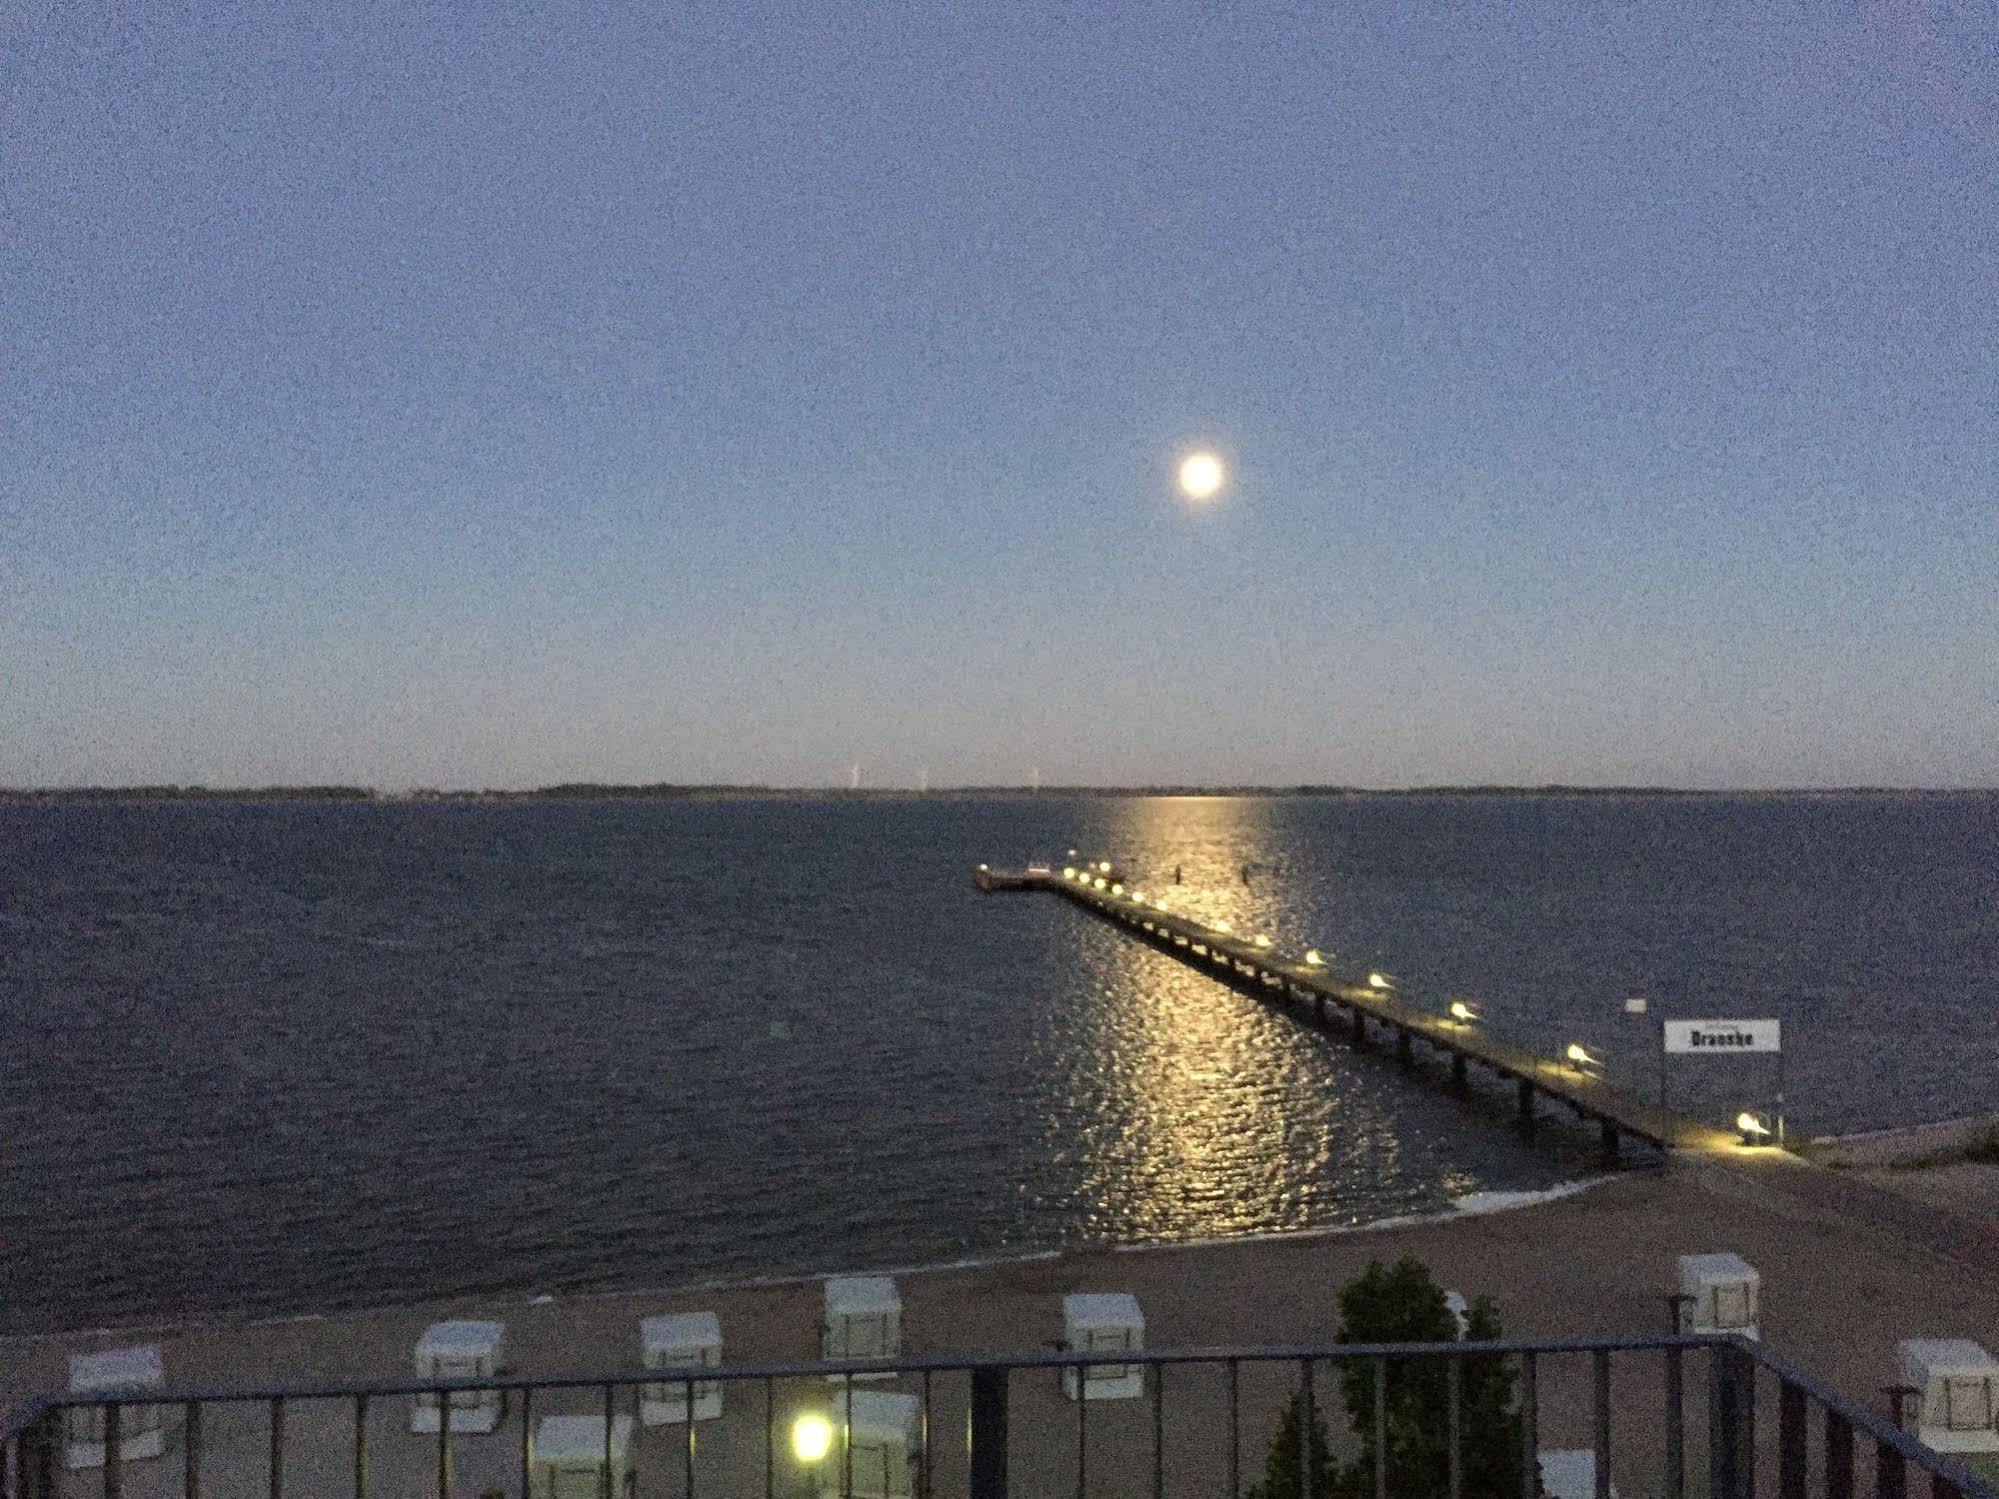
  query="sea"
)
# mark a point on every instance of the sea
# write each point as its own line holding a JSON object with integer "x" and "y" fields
{"x": 282, "y": 1058}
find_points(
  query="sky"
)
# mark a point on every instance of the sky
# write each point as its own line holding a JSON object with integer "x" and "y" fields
{"x": 494, "y": 396}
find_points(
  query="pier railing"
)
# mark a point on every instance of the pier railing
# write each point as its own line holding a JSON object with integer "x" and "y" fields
{"x": 1681, "y": 1417}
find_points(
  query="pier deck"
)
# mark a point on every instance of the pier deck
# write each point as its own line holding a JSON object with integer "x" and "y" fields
{"x": 1291, "y": 980}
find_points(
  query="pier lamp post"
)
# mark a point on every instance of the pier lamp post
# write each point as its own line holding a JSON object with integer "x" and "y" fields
{"x": 1463, "y": 1013}
{"x": 1262, "y": 941}
{"x": 1314, "y": 958}
{"x": 1381, "y": 982}
{"x": 1581, "y": 1060}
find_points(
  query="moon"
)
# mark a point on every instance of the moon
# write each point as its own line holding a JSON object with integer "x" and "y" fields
{"x": 1201, "y": 475}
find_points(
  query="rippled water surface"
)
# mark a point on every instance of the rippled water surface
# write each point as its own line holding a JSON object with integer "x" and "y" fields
{"x": 267, "y": 1058}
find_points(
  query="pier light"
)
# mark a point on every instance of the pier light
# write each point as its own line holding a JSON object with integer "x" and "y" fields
{"x": 1068, "y": 871}
{"x": 811, "y": 1437}
{"x": 1105, "y": 866}
{"x": 1221, "y": 926}
{"x": 982, "y": 869}
{"x": 1580, "y": 1057}
{"x": 1100, "y": 882}
{"x": 1462, "y": 1012}
{"x": 1378, "y": 981}
{"x": 1312, "y": 957}
{"x": 1752, "y": 1127}
{"x": 1116, "y": 889}
{"x": 1263, "y": 941}
{"x": 1138, "y": 896}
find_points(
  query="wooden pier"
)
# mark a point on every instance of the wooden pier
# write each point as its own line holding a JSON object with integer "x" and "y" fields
{"x": 1291, "y": 980}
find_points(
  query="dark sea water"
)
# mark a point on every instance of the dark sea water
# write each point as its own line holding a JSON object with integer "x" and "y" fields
{"x": 295, "y": 1057}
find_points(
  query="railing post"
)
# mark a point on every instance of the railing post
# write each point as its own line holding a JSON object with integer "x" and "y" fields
{"x": 1792, "y": 1469}
{"x": 1526, "y": 1106}
{"x": 361, "y": 1448}
{"x": 190, "y": 1435}
{"x": 1838, "y": 1455}
{"x": 1530, "y": 1432}
{"x": 278, "y": 1448}
{"x": 1891, "y": 1476}
{"x": 988, "y": 1434}
{"x": 1676, "y": 1423}
{"x": 1731, "y": 1462}
{"x": 114, "y": 1452}
{"x": 1601, "y": 1401}
{"x": 1454, "y": 1374}
{"x": 1305, "y": 1429}
{"x": 527, "y": 1442}
{"x": 1381, "y": 1428}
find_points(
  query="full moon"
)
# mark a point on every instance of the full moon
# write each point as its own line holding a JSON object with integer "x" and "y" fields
{"x": 1200, "y": 476}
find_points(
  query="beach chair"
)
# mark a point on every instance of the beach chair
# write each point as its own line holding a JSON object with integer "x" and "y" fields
{"x": 1103, "y": 1322}
{"x": 863, "y": 1321}
{"x": 884, "y": 1437}
{"x": 1957, "y": 1393}
{"x": 681, "y": 1340}
{"x": 566, "y": 1458}
{"x": 460, "y": 1350}
{"x": 142, "y": 1429}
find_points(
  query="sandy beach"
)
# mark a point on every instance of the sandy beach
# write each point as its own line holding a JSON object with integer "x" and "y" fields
{"x": 1837, "y": 1295}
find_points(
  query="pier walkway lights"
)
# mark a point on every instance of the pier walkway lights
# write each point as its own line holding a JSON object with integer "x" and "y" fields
{"x": 1379, "y": 981}
{"x": 1314, "y": 959}
{"x": 1221, "y": 926}
{"x": 1116, "y": 889}
{"x": 1262, "y": 941}
{"x": 1754, "y": 1128}
{"x": 1463, "y": 1013}
{"x": 1068, "y": 871}
{"x": 1580, "y": 1059}
{"x": 811, "y": 1437}
{"x": 1105, "y": 866}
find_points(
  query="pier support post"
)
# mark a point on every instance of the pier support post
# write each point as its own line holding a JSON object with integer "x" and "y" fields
{"x": 1458, "y": 1080}
{"x": 1359, "y": 1028}
{"x": 1609, "y": 1142}
{"x": 1526, "y": 1107}
{"x": 1405, "y": 1050}
{"x": 1319, "y": 1009}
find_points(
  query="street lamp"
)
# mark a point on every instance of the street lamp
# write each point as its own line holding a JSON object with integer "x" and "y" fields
{"x": 1580, "y": 1059}
{"x": 1463, "y": 1013}
{"x": 811, "y": 1437}
{"x": 1314, "y": 960}
{"x": 1753, "y": 1127}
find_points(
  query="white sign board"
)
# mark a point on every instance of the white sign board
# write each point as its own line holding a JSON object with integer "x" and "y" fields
{"x": 1715, "y": 1038}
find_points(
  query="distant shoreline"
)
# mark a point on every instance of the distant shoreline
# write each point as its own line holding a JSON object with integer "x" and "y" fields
{"x": 664, "y": 791}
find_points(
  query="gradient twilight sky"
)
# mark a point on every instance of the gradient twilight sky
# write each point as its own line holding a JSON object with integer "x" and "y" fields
{"x": 665, "y": 392}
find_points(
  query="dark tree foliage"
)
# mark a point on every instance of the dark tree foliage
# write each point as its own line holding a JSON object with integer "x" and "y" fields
{"x": 1282, "y": 1469}
{"x": 1402, "y": 1303}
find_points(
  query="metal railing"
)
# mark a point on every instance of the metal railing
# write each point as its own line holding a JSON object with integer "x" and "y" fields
{"x": 1020, "y": 1434}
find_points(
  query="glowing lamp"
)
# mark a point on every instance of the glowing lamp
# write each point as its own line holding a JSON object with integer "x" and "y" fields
{"x": 1100, "y": 884}
{"x": 1263, "y": 942}
{"x": 1751, "y": 1127}
{"x": 1069, "y": 872}
{"x": 1138, "y": 896}
{"x": 1221, "y": 926}
{"x": 1314, "y": 959}
{"x": 1462, "y": 1012}
{"x": 1105, "y": 866}
{"x": 1117, "y": 889}
{"x": 811, "y": 1437}
{"x": 1378, "y": 981}
{"x": 1581, "y": 1058}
